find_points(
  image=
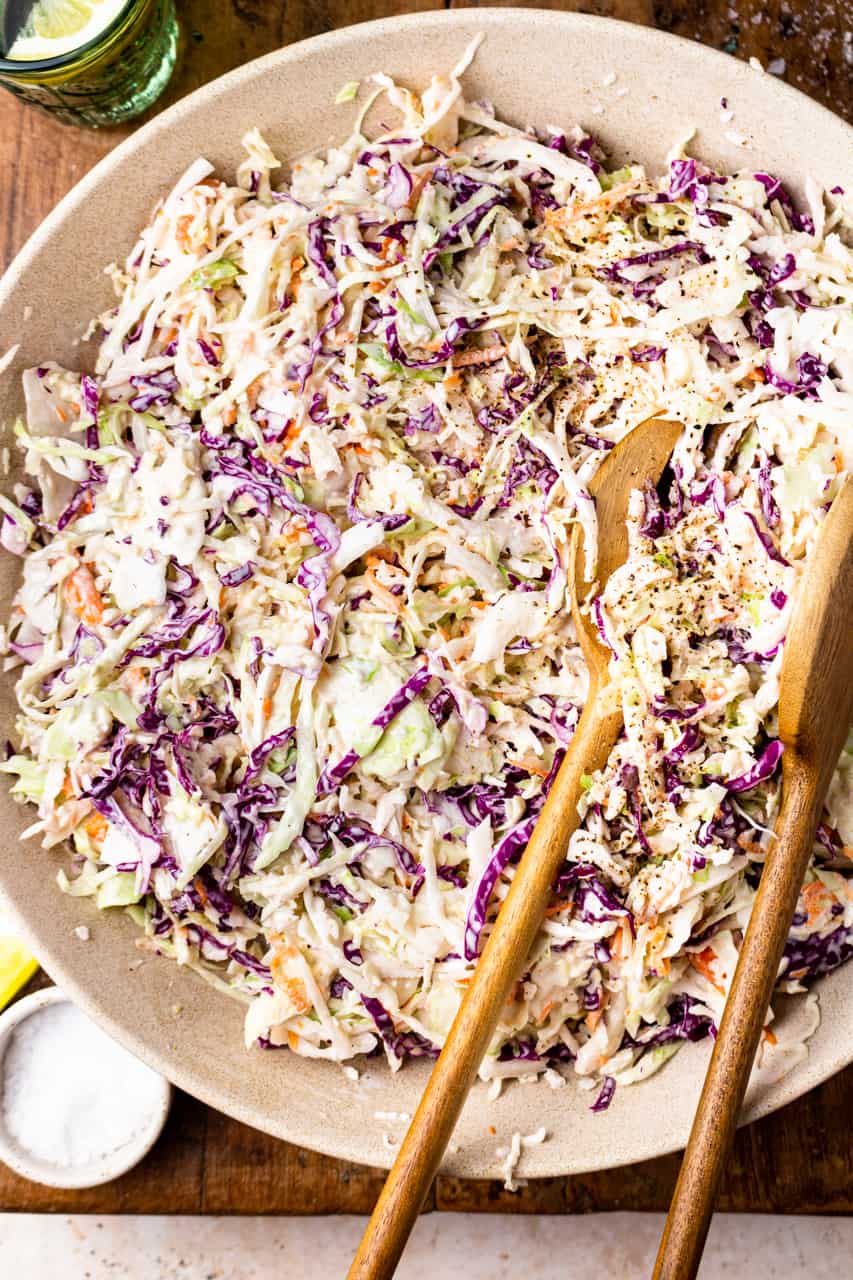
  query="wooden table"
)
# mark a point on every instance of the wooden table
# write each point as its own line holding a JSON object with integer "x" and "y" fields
{"x": 801, "y": 1159}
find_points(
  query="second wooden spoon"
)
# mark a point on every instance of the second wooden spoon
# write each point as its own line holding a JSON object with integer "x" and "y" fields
{"x": 639, "y": 456}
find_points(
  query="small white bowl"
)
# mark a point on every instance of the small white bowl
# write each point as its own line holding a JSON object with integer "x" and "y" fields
{"x": 104, "y": 1169}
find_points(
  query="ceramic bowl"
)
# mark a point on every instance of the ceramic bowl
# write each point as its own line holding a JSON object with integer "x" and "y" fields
{"x": 537, "y": 67}
{"x": 94, "y": 1172}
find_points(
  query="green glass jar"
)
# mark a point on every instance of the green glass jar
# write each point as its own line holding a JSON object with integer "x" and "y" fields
{"x": 115, "y": 76}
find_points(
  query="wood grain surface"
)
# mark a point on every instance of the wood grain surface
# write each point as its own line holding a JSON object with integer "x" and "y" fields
{"x": 798, "y": 1160}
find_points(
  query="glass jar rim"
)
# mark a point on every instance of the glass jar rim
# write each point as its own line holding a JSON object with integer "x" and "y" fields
{"x": 60, "y": 60}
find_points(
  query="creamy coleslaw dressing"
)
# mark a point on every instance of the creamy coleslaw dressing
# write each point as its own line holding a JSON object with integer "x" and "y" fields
{"x": 296, "y": 662}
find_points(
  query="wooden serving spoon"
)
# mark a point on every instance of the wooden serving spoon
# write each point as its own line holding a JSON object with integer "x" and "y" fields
{"x": 639, "y": 456}
{"x": 815, "y": 708}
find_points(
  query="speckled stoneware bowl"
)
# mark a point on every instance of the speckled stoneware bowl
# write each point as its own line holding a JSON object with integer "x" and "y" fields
{"x": 538, "y": 67}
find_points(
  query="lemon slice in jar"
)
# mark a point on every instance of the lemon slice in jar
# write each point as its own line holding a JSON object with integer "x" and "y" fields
{"x": 55, "y": 27}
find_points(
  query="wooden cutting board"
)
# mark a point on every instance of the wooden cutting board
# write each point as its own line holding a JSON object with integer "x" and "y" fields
{"x": 799, "y": 1160}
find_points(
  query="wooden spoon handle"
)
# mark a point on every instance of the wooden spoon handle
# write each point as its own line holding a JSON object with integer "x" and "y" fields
{"x": 498, "y": 968}
{"x": 743, "y": 1019}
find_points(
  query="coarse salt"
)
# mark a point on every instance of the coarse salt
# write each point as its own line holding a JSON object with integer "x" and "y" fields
{"x": 71, "y": 1095}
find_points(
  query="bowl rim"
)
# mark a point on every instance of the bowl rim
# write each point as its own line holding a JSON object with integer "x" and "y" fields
{"x": 488, "y": 16}
{"x": 95, "y": 1172}
{"x": 666, "y": 45}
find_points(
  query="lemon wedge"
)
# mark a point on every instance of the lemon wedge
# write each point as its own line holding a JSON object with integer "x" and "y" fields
{"x": 17, "y": 966}
{"x": 56, "y": 27}
{"x": 53, "y": 19}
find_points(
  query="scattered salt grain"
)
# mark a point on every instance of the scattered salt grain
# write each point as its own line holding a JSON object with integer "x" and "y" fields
{"x": 495, "y": 1087}
{"x": 609, "y": 79}
{"x": 737, "y": 139}
{"x": 71, "y": 1095}
{"x": 756, "y": 65}
{"x": 598, "y": 109}
{"x": 727, "y": 116}
{"x": 400, "y": 1117}
{"x": 553, "y": 1079}
{"x": 777, "y": 67}
{"x": 620, "y": 93}
{"x": 82, "y": 932}
{"x": 389, "y": 1142}
{"x": 350, "y": 1072}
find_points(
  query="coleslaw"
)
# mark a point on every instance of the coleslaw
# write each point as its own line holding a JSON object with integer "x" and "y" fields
{"x": 295, "y": 662}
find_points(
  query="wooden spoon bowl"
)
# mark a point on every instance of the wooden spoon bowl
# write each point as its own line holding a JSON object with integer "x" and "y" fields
{"x": 638, "y": 457}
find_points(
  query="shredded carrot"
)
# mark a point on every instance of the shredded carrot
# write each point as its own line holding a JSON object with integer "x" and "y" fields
{"x": 96, "y": 827}
{"x": 266, "y": 708}
{"x": 593, "y": 1018}
{"x": 418, "y": 184}
{"x": 530, "y": 766}
{"x": 61, "y": 414}
{"x": 703, "y": 961}
{"x": 478, "y": 356}
{"x": 769, "y": 1036}
{"x": 294, "y": 988}
{"x": 513, "y": 995}
{"x": 382, "y": 593}
{"x": 817, "y": 899}
{"x": 293, "y": 531}
{"x": 546, "y": 1009}
{"x": 182, "y": 229}
{"x": 379, "y": 554}
{"x": 555, "y": 908}
{"x": 82, "y": 595}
